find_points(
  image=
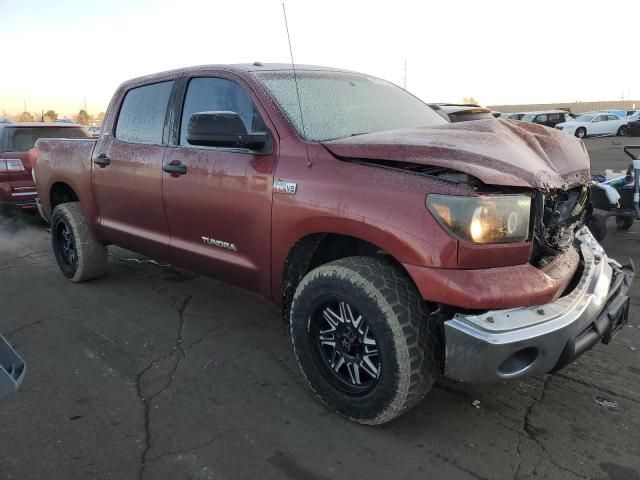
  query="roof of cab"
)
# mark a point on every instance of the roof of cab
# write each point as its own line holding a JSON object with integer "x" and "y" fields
{"x": 238, "y": 68}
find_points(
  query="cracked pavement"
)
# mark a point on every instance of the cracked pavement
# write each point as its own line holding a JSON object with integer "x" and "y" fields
{"x": 156, "y": 373}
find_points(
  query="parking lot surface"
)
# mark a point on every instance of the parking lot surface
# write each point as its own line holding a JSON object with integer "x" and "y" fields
{"x": 153, "y": 372}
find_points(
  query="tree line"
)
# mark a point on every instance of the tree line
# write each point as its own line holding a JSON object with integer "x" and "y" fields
{"x": 82, "y": 117}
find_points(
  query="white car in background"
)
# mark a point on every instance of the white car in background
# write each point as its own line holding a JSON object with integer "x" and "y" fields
{"x": 600, "y": 123}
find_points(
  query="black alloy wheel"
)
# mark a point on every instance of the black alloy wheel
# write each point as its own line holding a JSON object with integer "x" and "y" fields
{"x": 345, "y": 347}
{"x": 66, "y": 250}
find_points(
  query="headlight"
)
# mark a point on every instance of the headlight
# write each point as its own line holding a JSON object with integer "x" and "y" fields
{"x": 483, "y": 219}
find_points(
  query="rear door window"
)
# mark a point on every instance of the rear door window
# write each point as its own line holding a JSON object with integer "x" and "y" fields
{"x": 142, "y": 115}
{"x": 212, "y": 94}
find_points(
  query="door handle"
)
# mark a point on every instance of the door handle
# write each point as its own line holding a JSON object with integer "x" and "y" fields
{"x": 102, "y": 160}
{"x": 174, "y": 168}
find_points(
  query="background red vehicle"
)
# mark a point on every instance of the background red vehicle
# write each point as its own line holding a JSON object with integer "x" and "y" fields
{"x": 17, "y": 188}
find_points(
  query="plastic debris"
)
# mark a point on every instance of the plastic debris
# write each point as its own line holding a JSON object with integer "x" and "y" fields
{"x": 139, "y": 260}
{"x": 476, "y": 403}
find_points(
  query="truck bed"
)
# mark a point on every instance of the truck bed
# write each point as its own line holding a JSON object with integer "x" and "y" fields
{"x": 70, "y": 159}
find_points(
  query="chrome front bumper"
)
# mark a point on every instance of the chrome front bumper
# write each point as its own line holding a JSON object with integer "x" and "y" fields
{"x": 513, "y": 343}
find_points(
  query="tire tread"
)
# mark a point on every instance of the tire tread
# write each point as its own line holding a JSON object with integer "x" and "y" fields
{"x": 412, "y": 328}
{"x": 92, "y": 256}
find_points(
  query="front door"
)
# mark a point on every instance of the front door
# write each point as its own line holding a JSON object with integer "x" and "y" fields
{"x": 599, "y": 125}
{"x": 219, "y": 209}
{"x": 127, "y": 173}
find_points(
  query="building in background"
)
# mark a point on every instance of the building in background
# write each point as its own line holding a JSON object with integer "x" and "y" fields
{"x": 574, "y": 107}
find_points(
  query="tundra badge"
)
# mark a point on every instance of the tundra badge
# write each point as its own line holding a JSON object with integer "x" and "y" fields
{"x": 288, "y": 188}
{"x": 220, "y": 244}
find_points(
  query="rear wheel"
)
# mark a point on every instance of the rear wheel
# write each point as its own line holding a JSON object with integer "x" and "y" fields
{"x": 581, "y": 132}
{"x": 623, "y": 222}
{"x": 78, "y": 254}
{"x": 363, "y": 339}
{"x": 622, "y": 131}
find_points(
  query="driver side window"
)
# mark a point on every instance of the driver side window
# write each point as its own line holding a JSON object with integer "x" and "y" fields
{"x": 211, "y": 94}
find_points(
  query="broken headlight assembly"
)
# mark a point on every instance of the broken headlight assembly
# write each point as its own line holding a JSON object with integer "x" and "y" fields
{"x": 483, "y": 219}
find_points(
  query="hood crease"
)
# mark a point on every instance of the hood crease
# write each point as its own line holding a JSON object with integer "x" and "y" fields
{"x": 497, "y": 152}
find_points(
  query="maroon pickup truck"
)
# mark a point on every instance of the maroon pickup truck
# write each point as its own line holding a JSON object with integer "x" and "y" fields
{"x": 400, "y": 247}
{"x": 17, "y": 188}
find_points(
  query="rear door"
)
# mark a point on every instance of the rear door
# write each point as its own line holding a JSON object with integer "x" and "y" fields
{"x": 614, "y": 123}
{"x": 219, "y": 211}
{"x": 554, "y": 119}
{"x": 127, "y": 173}
{"x": 542, "y": 119}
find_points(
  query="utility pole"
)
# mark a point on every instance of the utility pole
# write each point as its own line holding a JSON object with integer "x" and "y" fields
{"x": 405, "y": 74}
{"x": 24, "y": 103}
{"x": 85, "y": 104}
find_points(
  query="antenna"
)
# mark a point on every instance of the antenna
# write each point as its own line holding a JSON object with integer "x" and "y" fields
{"x": 295, "y": 75}
{"x": 405, "y": 74}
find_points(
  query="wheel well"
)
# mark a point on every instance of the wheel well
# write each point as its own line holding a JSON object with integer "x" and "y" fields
{"x": 62, "y": 193}
{"x": 318, "y": 249}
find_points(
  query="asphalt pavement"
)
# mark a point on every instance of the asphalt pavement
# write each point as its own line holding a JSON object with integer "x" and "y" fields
{"x": 156, "y": 373}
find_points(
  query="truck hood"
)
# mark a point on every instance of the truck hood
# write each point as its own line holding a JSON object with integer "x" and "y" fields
{"x": 497, "y": 152}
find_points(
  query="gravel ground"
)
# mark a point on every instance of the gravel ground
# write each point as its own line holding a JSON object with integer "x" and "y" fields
{"x": 156, "y": 373}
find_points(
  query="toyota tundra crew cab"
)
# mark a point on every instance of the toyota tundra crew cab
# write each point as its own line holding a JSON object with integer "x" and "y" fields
{"x": 401, "y": 247}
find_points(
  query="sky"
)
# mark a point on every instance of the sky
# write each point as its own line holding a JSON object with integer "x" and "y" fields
{"x": 59, "y": 54}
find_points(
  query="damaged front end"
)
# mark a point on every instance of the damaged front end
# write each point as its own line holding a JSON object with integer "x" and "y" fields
{"x": 557, "y": 295}
{"x": 512, "y": 343}
{"x": 558, "y": 216}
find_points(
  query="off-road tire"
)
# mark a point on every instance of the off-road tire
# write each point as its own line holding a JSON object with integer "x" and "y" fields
{"x": 91, "y": 256}
{"x": 623, "y": 222}
{"x": 598, "y": 227}
{"x": 581, "y": 132}
{"x": 622, "y": 131}
{"x": 409, "y": 342}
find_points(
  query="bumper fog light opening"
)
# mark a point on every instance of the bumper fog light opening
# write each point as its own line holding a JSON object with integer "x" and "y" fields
{"x": 518, "y": 362}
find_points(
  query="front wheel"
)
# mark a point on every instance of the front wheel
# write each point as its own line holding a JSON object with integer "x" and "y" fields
{"x": 364, "y": 340}
{"x": 622, "y": 131}
{"x": 581, "y": 132}
{"x": 78, "y": 254}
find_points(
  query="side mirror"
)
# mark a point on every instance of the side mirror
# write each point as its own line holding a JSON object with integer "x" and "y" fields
{"x": 223, "y": 129}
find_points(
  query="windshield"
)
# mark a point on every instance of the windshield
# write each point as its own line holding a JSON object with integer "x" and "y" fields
{"x": 585, "y": 118}
{"x": 23, "y": 139}
{"x": 338, "y": 105}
